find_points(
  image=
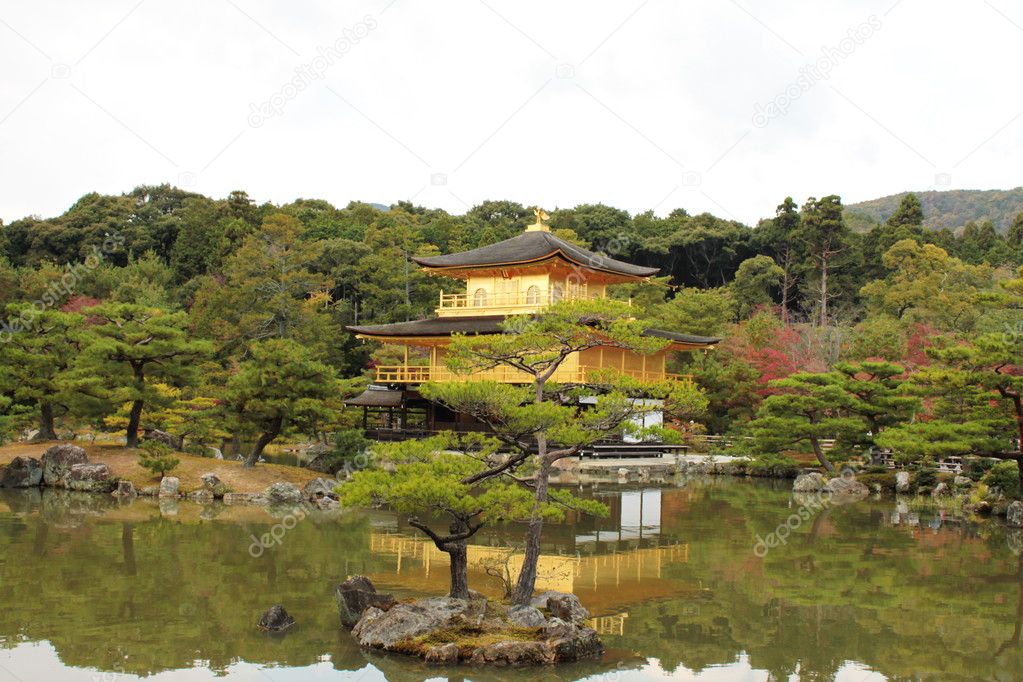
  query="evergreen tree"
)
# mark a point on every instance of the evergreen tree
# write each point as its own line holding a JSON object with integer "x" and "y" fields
{"x": 754, "y": 282}
{"x": 39, "y": 359}
{"x": 543, "y": 422}
{"x": 823, "y": 230}
{"x": 279, "y": 385}
{"x": 810, "y": 408}
{"x": 129, "y": 348}
{"x": 909, "y": 213}
{"x": 450, "y": 475}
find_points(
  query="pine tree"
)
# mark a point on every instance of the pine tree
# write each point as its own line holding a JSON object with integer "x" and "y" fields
{"x": 543, "y": 422}
{"x": 449, "y": 475}
{"x": 39, "y": 359}
{"x": 129, "y": 348}
{"x": 826, "y": 236}
{"x": 279, "y": 385}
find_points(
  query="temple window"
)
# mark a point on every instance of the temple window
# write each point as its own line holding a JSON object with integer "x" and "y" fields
{"x": 479, "y": 299}
{"x": 533, "y": 295}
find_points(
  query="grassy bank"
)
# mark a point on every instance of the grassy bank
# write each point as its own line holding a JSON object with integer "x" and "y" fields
{"x": 123, "y": 463}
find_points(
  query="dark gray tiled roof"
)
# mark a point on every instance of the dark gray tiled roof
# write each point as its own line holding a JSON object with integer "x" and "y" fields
{"x": 534, "y": 246}
{"x": 490, "y": 324}
{"x": 376, "y": 397}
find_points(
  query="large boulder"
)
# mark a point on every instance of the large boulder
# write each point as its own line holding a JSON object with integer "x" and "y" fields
{"x": 22, "y": 472}
{"x": 169, "y": 486}
{"x": 566, "y": 607}
{"x": 212, "y": 483}
{"x": 1014, "y": 515}
{"x": 327, "y": 504}
{"x": 282, "y": 492}
{"x": 57, "y": 462}
{"x": 380, "y": 629}
{"x": 173, "y": 442}
{"x": 275, "y": 619}
{"x": 357, "y": 594}
{"x": 90, "y": 478}
{"x": 318, "y": 489}
{"x": 526, "y": 616}
{"x": 846, "y": 487}
{"x": 902, "y": 482}
{"x": 572, "y": 642}
{"x": 125, "y": 489}
{"x": 808, "y": 483}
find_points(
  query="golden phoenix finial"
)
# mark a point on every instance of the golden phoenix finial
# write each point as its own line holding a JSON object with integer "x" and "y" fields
{"x": 541, "y": 215}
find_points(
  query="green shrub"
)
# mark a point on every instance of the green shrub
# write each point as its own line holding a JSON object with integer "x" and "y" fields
{"x": 773, "y": 465}
{"x": 349, "y": 446}
{"x": 1005, "y": 477}
{"x": 157, "y": 457}
{"x": 925, "y": 479}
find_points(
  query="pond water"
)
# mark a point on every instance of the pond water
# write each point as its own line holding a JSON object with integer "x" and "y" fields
{"x": 678, "y": 581}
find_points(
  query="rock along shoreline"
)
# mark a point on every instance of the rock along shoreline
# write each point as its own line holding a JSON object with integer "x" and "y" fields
{"x": 67, "y": 467}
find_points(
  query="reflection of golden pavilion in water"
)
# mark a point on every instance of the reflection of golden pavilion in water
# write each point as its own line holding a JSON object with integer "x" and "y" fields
{"x": 608, "y": 568}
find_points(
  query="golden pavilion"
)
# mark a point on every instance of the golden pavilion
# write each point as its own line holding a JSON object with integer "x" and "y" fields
{"x": 517, "y": 276}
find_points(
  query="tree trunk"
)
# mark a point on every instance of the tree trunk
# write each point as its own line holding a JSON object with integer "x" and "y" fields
{"x": 459, "y": 569}
{"x": 132, "y": 434}
{"x": 264, "y": 439}
{"x": 785, "y": 286}
{"x": 526, "y": 582}
{"x": 824, "y": 291}
{"x": 817, "y": 450}
{"x": 46, "y": 430}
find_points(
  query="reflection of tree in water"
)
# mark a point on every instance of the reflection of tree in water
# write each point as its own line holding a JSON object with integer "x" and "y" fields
{"x": 846, "y": 586}
{"x": 151, "y": 594}
{"x": 119, "y": 588}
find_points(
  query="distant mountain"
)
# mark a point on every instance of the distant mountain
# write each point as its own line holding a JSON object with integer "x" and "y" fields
{"x": 951, "y": 209}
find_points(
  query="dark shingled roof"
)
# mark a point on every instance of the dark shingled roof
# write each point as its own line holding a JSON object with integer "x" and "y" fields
{"x": 531, "y": 247}
{"x": 376, "y": 397}
{"x": 490, "y": 324}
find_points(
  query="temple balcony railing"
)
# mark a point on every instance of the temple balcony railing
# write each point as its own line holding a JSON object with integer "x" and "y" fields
{"x": 514, "y": 303}
{"x": 421, "y": 374}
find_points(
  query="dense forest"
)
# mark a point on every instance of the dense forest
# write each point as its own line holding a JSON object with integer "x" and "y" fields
{"x": 206, "y": 317}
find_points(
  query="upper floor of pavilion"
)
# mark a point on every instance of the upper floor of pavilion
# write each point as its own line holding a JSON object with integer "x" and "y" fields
{"x": 527, "y": 273}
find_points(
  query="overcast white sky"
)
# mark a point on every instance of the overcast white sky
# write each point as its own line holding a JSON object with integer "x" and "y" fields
{"x": 652, "y": 104}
